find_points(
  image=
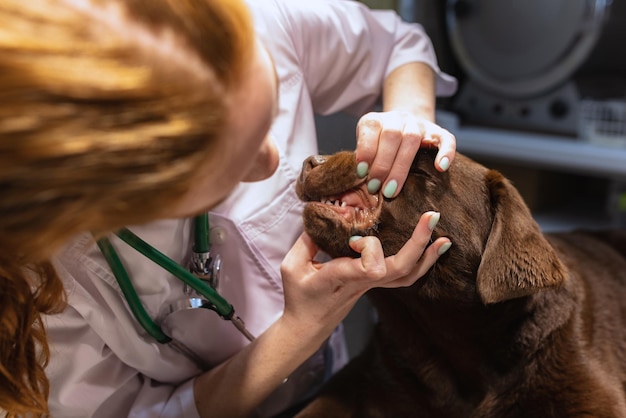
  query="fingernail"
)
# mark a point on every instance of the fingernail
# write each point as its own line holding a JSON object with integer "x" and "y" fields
{"x": 361, "y": 169}
{"x": 445, "y": 247}
{"x": 355, "y": 238}
{"x": 434, "y": 220}
{"x": 373, "y": 185}
{"x": 444, "y": 163}
{"x": 390, "y": 189}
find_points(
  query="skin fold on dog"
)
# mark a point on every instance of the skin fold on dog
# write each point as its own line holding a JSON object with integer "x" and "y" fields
{"x": 508, "y": 323}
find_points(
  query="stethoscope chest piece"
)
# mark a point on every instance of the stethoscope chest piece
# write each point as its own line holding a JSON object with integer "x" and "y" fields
{"x": 200, "y": 280}
{"x": 206, "y": 267}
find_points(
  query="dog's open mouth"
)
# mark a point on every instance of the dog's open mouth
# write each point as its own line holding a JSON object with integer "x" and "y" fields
{"x": 356, "y": 207}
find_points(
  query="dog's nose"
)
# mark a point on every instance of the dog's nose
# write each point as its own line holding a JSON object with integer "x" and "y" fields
{"x": 310, "y": 163}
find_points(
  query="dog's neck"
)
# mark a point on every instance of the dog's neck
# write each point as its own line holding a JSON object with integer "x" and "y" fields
{"x": 467, "y": 336}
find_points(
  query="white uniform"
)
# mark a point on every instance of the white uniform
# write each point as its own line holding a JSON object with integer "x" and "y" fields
{"x": 330, "y": 56}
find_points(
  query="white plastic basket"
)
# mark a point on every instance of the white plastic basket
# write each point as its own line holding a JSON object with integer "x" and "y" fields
{"x": 603, "y": 122}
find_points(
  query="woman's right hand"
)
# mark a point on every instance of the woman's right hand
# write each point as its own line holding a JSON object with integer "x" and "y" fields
{"x": 318, "y": 296}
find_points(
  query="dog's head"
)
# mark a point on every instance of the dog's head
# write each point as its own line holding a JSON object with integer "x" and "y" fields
{"x": 498, "y": 250}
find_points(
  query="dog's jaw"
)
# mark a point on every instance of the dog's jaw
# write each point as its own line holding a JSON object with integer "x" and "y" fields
{"x": 338, "y": 206}
{"x": 332, "y": 221}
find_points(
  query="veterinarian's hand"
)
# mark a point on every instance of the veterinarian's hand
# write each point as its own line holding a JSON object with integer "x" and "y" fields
{"x": 387, "y": 143}
{"x": 415, "y": 257}
{"x": 322, "y": 294}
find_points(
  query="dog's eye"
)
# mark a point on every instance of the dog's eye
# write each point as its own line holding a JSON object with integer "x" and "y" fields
{"x": 420, "y": 172}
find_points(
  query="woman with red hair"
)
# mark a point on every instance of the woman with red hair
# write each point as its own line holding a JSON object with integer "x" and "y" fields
{"x": 144, "y": 113}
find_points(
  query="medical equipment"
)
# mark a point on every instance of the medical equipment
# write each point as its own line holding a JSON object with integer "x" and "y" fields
{"x": 530, "y": 65}
{"x": 202, "y": 279}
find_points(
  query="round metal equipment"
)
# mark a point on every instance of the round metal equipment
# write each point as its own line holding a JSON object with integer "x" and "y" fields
{"x": 522, "y": 48}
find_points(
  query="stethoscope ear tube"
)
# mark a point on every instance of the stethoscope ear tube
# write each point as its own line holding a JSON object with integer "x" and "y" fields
{"x": 201, "y": 236}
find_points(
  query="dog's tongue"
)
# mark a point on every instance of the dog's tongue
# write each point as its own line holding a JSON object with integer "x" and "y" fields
{"x": 357, "y": 199}
{"x": 352, "y": 199}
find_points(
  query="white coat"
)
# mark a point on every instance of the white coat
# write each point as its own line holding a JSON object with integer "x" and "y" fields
{"x": 330, "y": 55}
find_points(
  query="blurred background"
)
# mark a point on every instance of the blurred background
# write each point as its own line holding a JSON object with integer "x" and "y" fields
{"x": 542, "y": 98}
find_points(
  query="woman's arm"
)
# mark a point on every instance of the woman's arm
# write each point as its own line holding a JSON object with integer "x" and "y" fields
{"x": 348, "y": 54}
{"x": 318, "y": 296}
{"x": 411, "y": 88}
{"x": 347, "y": 51}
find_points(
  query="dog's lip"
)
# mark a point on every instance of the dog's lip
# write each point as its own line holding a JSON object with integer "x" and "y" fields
{"x": 357, "y": 206}
{"x": 357, "y": 196}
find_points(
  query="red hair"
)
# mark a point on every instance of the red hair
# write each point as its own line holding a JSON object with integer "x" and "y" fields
{"x": 97, "y": 118}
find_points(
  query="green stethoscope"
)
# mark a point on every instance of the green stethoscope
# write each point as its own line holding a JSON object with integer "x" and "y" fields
{"x": 201, "y": 276}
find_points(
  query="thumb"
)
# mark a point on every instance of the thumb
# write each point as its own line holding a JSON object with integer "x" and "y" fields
{"x": 372, "y": 257}
{"x": 302, "y": 251}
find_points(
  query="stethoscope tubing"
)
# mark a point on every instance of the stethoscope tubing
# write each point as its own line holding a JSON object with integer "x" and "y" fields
{"x": 217, "y": 302}
{"x": 127, "y": 288}
{"x": 211, "y": 298}
{"x": 201, "y": 242}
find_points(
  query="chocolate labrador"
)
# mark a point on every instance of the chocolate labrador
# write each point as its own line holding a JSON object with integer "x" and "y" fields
{"x": 508, "y": 323}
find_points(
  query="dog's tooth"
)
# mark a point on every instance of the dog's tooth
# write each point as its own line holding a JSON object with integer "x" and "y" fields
{"x": 343, "y": 204}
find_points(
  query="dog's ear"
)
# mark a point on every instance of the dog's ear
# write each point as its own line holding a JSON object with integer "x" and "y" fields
{"x": 517, "y": 260}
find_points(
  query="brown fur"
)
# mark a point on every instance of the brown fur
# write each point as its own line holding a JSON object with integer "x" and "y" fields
{"x": 508, "y": 323}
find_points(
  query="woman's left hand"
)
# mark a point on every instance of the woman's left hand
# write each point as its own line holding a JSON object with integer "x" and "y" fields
{"x": 387, "y": 143}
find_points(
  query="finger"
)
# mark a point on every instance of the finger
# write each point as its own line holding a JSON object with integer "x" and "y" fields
{"x": 300, "y": 255}
{"x": 367, "y": 133}
{"x": 389, "y": 143}
{"x": 426, "y": 262}
{"x": 446, "y": 142}
{"x": 434, "y": 251}
{"x": 411, "y": 139}
{"x": 403, "y": 262}
{"x": 360, "y": 274}
{"x": 372, "y": 257}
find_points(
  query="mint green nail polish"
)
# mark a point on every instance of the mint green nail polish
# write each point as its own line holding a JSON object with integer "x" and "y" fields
{"x": 390, "y": 189}
{"x": 361, "y": 169}
{"x": 373, "y": 186}
{"x": 355, "y": 238}
{"x": 444, "y": 164}
{"x": 445, "y": 247}
{"x": 434, "y": 220}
